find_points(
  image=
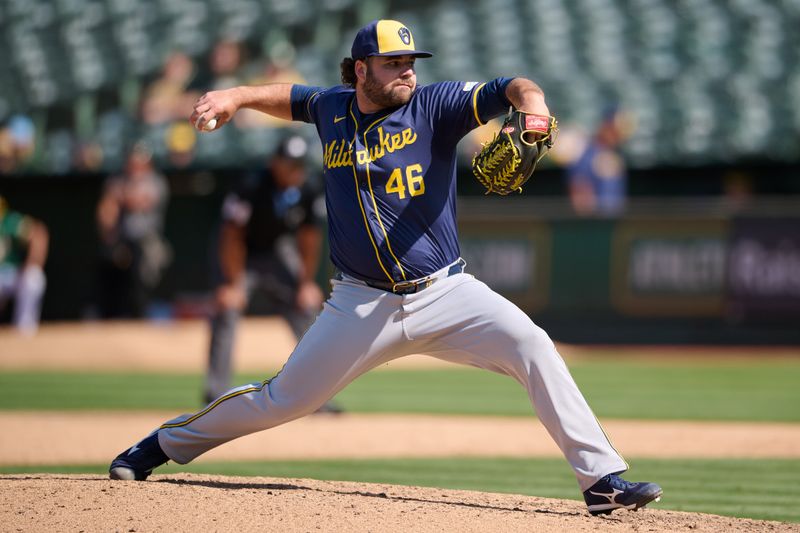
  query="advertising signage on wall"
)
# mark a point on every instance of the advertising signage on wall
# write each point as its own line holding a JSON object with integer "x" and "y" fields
{"x": 669, "y": 267}
{"x": 517, "y": 265}
{"x": 728, "y": 272}
{"x": 764, "y": 267}
{"x": 744, "y": 269}
{"x": 676, "y": 265}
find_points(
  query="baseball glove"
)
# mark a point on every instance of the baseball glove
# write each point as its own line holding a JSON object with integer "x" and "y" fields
{"x": 506, "y": 162}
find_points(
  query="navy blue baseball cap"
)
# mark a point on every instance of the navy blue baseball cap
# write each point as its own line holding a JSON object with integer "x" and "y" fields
{"x": 385, "y": 38}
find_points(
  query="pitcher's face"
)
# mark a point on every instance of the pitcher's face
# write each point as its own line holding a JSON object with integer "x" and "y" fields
{"x": 389, "y": 81}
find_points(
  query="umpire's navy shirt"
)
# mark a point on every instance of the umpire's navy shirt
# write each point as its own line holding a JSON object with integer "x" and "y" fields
{"x": 268, "y": 212}
{"x": 390, "y": 176}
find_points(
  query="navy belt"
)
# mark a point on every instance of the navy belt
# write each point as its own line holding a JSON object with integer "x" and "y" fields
{"x": 416, "y": 285}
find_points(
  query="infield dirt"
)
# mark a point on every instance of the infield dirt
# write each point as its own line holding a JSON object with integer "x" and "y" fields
{"x": 188, "y": 502}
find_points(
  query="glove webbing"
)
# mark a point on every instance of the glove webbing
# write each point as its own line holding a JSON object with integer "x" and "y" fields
{"x": 495, "y": 158}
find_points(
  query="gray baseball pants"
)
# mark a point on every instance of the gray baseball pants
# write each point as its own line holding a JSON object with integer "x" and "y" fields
{"x": 457, "y": 319}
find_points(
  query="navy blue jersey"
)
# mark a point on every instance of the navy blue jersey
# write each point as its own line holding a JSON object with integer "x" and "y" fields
{"x": 390, "y": 177}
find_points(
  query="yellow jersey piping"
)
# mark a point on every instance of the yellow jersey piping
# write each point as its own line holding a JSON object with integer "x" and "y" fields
{"x": 308, "y": 104}
{"x": 610, "y": 443}
{"x": 374, "y": 204}
{"x": 218, "y": 401}
{"x": 475, "y": 103}
{"x": 353, "y": 161}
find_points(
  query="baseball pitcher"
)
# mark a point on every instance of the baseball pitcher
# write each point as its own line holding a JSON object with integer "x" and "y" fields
{"x": 389, "y": 158}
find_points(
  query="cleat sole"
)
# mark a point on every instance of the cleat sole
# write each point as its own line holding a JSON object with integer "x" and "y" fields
{"x": 655, "y": 498}
{"x": 120, "y": 472}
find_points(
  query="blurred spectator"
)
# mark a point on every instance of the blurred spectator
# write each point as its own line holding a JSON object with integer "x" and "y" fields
{"x": 134, "y": 254}
{"x": 225, "y": 62}
{"x": 737, "y": 189}
{"x": 597, "y": 179}
{"x": 17, "y": 144}
{"x": 223, "y": 68}
{"x": 8, "y": 160}
{"x": 180, "y": 140}
{"x": 169, "y": 97}
{"x": 269, "y": 244}
{"x": 278, "y": 67}
{"x": 23, "y": 251}
{"x": 88, "y": 156}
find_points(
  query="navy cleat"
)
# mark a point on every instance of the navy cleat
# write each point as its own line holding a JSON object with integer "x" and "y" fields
{"x": 613, "y": 492}
{"x": 138, "y": 461}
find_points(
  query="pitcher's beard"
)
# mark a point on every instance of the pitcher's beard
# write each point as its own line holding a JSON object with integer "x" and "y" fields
{"x": 386, "y": 96}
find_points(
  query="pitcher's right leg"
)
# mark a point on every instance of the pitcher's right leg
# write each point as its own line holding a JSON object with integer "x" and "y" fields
{"x": 476, "y": 326}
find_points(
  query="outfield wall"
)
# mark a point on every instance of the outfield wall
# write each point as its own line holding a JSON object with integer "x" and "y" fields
{"x": 670, "y": 271}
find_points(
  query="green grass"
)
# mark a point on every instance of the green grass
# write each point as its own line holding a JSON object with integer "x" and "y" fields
{"x": 615, "y": 389}
{"x": 70, "y": 391}
{"x": 763, "y": 489}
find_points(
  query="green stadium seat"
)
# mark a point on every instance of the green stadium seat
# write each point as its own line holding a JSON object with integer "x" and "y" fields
{"x": 707, "y": 69}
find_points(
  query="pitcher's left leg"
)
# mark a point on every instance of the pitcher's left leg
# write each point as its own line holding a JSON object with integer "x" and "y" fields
{"x": 481, "y": 328}
{"x": 355, "y": 332}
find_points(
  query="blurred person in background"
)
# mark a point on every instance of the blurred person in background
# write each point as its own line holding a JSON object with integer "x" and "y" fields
{"x": 222, "y": 67}
{"x": 269, "y": 244}
{"x": 8, "y": 160}
{"x": 17, "y": 144}
{"x": 277, "y": 67}
{"x": 23, "y": 250}
{"x": 130, "y": 221}
{"x": 180, "y": 140}
{"x": 225, "y": 62}
{"x": 168, "y": 97}
{"x": 597, "y": 178}
{"x": 737, "y": 189}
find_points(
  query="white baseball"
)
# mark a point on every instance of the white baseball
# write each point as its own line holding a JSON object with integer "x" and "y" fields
{"x": 210, "y": 125}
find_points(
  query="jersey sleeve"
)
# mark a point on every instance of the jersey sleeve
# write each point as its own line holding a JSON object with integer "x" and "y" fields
{"x": 304, "y": 100}
{"x": 455, "y": 108}
{"x": 489, "y": 100}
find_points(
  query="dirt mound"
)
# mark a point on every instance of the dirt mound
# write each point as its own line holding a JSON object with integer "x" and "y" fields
{"x": 188, "y": 502}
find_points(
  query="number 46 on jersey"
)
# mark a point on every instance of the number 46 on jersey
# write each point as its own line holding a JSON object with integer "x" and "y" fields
{"x": 405, "y": 179}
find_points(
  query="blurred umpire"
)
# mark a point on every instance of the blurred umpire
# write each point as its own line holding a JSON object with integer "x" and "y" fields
{"x": 269, "y": 247}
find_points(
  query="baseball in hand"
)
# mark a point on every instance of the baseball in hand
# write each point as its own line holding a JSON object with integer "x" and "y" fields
{"x": 210, "y": 125}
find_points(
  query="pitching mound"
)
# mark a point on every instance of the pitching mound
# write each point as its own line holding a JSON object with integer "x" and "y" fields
{"x": 188, "y": 502}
